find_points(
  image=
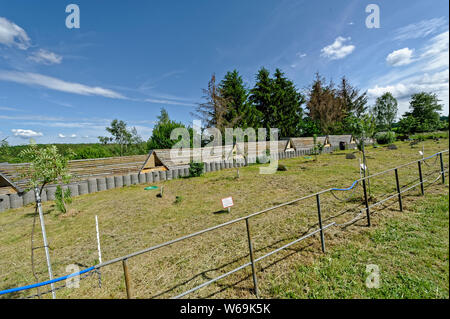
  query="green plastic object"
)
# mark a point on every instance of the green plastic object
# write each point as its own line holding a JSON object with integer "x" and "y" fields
{"x": 151, "y": 187}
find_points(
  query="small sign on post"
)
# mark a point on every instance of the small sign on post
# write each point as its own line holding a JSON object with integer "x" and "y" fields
{"x": 227, "y": 202}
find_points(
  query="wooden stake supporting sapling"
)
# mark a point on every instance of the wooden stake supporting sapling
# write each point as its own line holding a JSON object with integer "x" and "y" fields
{"x": 161, "y": 192}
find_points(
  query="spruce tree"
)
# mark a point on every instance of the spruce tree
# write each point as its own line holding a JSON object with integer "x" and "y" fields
{"x": 239, "y": 111}
{"x": 261, "y": 98}
{"x": 288, "y": 105}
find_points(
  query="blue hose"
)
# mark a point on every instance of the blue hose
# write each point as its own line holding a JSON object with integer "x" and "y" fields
{"x": 7, "y": 291}
{"x": 345, "y": 189}
{"x": 354, "y": 183}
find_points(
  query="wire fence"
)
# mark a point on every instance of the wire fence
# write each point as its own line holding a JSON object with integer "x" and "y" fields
{"x": 369, "y": 202}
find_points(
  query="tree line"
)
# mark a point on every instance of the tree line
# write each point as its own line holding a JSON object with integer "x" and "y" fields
{"x": 321, "y": 108}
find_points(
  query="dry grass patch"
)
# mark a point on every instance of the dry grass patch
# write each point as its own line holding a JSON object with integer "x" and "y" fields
{"x": 131, "y": 219}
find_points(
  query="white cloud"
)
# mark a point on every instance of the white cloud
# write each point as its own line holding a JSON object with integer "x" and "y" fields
{"x": 400, "y": 57}
{"x": 60, "y": 135}
{"x": 13, "y": 35}
{"x": 25, "y": 134}
{"x": 57, "y": 84}
{"x": 338, "y": 49}
{"x": 404, "y": 90}
{"x": 435, "y": 83}
{"x": 420, "y": 29}
{"x": 45, "y": 57}
{"x": 300, "y": 55}
{"x": 429, "y": 73}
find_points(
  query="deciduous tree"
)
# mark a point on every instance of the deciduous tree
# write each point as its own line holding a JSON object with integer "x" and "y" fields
{"x": 385, "y": 111}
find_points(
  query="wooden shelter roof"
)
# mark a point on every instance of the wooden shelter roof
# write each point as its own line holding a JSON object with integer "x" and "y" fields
{"x": 334, "y": 140}
{"x": 164, "y": 159}
{"x": 79, "y": 169}
{"x": 307, "y": 142}
{"x": 7, "y": 186}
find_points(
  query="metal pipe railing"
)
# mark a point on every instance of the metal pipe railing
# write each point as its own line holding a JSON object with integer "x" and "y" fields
{"x": 321, "y": 229}
{"x": 246, "y": 219}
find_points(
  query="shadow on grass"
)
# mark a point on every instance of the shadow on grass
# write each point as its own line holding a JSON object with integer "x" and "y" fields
{"x": 44, "y": 212}
{"x": 205, "y": 276}
{"x": 13, "y": 295}
{"x": 245, "y": 258}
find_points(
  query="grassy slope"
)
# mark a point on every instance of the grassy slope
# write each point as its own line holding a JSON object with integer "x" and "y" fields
{"x": 411, "y": 252}
{"x": 132, "y": 219}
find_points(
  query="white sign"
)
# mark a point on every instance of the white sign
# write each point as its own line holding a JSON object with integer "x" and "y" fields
{"x": 227, "y": 202}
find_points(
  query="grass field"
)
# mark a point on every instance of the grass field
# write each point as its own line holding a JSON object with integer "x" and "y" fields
{"x": 410, "y": 251}
{"x": 131, "y": 219}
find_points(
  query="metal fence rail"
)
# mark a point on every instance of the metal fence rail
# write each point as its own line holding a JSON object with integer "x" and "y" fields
{"x": 320, "y": 229}
{"x": 398, "y": 193}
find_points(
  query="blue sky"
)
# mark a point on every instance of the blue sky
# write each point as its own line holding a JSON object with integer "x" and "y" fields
{"x": 129, "y": 59}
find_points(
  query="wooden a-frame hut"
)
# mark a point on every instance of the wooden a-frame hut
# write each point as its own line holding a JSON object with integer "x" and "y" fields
{"x": 299, "y": 143}
{"x": 342, "y": 141}
{"x": 165, "y": 159}
{"x": 7, "y": 186}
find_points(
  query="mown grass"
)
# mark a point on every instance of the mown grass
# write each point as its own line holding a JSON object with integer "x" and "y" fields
{"x": 131, "y": 219}
{"x": 410, "y": 251}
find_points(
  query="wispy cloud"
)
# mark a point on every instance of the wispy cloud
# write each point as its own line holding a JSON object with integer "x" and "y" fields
{"x": 168, "y": 102}
{"x": 12, "y": 35}
{"x": 400, "y": 57}
{"x": 338, "y": 49}
{"x": 152, "y": 83}
{"x": 52, "y": 83}
{"x": 421, "y": 29}
{"x": 45, "y": 57}
{"x": 436, "y": 52}
{"x": 4, "y": 108}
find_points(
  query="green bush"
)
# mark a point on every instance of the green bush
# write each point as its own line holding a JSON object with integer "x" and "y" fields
{"x": 178, "y": 200}
{"x": 429, "y": 136}
{"x": 262, "y": 159}
{"x": 385, "y": 137}
{"x": 418, "y": 137}
{"x": 195, "y": 169}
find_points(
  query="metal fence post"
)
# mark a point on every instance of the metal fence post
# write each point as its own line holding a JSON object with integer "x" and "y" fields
{"x": 127, "y": 278}
{"x": 421, "y": 178}
{"x": 250, "y": 248}
{"x": 322, "y": 238}
{"x": 442, "y": 168}
{"x": 398, "y": 190}
{"x": 366, "y": 201}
